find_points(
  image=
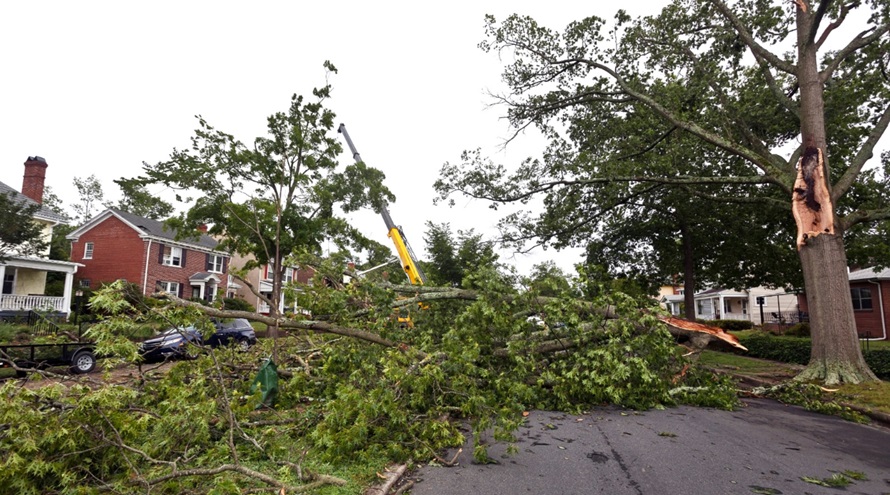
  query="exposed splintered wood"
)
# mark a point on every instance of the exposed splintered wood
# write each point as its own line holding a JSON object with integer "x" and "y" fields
{"x": 811, "y": 201}
{"x": 699, "y": 334}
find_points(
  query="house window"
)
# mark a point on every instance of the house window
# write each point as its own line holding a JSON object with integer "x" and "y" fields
{"x": 215, "y": 263}
{"x": 861, "y": 298}
{"x": 8, "y": 283}
{"x": 88, "y": 251}
{"x": 169, "y": 287}
{"x": 727, "y": 306}
{"x": 288, "y": 275}
{"x": 172, "y": 256}
{"x": 85, "y": 283}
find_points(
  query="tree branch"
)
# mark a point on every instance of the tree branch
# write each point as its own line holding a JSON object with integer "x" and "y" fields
{"x": 750, "y": 42}
{"x": 863, "y": 155}
{"x": 857, "y": 43}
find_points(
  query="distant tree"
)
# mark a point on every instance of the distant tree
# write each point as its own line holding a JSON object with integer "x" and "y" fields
{"x": 90, "y": 197}
{"x": 547, "y": 279}
{"x": 138, "y": 200}
{"x": 276, "y": 197}
{"x": 452, "y": 258}
{"x": 19, "y": 234}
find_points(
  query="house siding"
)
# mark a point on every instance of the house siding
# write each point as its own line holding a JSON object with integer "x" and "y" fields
{"x": 868, "y": 321}
{"x": 118, "y": 253}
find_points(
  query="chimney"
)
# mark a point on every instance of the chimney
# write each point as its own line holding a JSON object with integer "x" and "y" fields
{"x": 202, "y": 228}
{"x": 35, "y": 174}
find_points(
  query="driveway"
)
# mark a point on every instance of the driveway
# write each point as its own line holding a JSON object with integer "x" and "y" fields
{"x": 763, "y": 448}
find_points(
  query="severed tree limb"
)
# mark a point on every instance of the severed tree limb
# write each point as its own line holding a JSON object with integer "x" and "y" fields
{"x": 392, "y": 477}
{"x": 320, "y": 480}
{"x": 700, "y": 335}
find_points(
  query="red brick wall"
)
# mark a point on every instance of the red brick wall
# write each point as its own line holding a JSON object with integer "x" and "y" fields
{"x": 868, "y": 321}
{"x": 195, "y": 261}
{"x": 118, "y": 253}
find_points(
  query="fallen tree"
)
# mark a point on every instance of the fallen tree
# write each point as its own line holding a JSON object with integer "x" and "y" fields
{"x": 356, "y": 390}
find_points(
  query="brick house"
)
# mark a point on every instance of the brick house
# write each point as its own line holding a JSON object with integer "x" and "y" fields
{"x": 117, "y": 245}
{"x": 23, "y": 276}
{"x": 870, "y": 292}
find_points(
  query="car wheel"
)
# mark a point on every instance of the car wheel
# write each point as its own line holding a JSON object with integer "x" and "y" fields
{"x": 83, "y": 362}
{"x": 244, "y": 345}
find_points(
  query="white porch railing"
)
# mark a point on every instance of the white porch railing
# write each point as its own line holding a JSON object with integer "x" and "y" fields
{"x": 44, "y": 303}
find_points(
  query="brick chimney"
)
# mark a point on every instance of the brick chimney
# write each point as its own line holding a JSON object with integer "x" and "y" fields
{"x": 35, "y": 174}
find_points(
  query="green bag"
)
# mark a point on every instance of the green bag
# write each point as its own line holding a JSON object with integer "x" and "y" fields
{"x": 267, "y": 381}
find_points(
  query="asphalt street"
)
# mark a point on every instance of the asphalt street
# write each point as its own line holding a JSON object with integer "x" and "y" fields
{"x": 762, "y": 448}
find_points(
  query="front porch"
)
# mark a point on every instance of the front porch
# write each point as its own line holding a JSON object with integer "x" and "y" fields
{"x": 24, "y": 282}
{"x": 13, "y": 302}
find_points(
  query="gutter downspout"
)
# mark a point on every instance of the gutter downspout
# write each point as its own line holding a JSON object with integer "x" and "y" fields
{"x": 145, "y": 275}
{"x": 881, "y": 305}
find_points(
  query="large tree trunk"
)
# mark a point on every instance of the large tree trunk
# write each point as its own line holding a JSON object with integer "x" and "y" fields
{"x": 835, "y": 356}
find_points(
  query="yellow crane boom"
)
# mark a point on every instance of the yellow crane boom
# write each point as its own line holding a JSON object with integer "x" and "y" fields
{"x": 406, "y": 254}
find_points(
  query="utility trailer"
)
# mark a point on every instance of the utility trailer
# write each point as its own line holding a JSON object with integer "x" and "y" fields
{"x": 80, "y": 356}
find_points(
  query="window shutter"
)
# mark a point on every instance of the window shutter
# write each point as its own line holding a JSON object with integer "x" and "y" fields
{"x": 161, "y": 254}
{"x": 182, "y": 261}
{"x": 180, "y": 289}
{"x": 207, "y": 266}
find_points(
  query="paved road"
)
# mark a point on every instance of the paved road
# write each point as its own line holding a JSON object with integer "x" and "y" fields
{"x": 762, "y": 448}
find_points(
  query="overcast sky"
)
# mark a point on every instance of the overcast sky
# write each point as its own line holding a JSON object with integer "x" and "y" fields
{"x": 100, "y": 87}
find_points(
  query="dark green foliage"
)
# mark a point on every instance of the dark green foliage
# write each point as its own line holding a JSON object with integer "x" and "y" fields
{"x": 19, "y": 233}
{"x": 453, "y": 258}
{"x": 237, "y": 304}
{"x": 795, "y": 350}
{"x": 879, "y": 362}
{"x": 731, "y": 325}
{"x": 798, "y": 330}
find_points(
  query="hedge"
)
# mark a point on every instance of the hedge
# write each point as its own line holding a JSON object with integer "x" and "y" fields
{"x": 796, "y": 350}
{"x": 731, "y": 325}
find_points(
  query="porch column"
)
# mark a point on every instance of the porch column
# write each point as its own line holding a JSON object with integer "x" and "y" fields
{"x": 2, "y": 277}
{"x": 722, "y": 310}
{"x": 66, "y": 294}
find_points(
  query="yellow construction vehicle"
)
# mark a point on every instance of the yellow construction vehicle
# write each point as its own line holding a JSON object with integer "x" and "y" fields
{"x": 406, "y": 254}
{"x": 409, "y": 261}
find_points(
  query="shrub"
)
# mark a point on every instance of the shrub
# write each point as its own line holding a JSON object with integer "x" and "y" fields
{"x": 799, "y": 330}
{"x": 785, "y": 349}
{"x": 237, "y": 304}
{"x": 796, "y": 350}
{"x": 731, "y": 325}
{"x": 879, "y": 362}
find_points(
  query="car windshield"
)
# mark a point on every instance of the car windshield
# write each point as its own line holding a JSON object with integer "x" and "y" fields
{"x": 236, "y": 324}
{"x": 178, "y": 331}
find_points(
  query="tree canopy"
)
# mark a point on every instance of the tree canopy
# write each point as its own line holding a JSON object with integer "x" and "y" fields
{"x": 754, "y": 85}
{"x": 20, "y": 235}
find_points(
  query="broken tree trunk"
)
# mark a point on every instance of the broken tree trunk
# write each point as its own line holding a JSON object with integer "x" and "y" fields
{"x": 811, "y": 200}
{"x": 835, "y": 356}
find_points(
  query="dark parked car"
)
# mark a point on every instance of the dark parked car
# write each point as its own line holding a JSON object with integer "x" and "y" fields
{"x": 186, "y": 341}
{"x": 236, "y": 331}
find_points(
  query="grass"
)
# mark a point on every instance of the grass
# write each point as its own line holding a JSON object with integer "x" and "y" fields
{"x": 743, "y": 364}
{"x": 873, "y": 395}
